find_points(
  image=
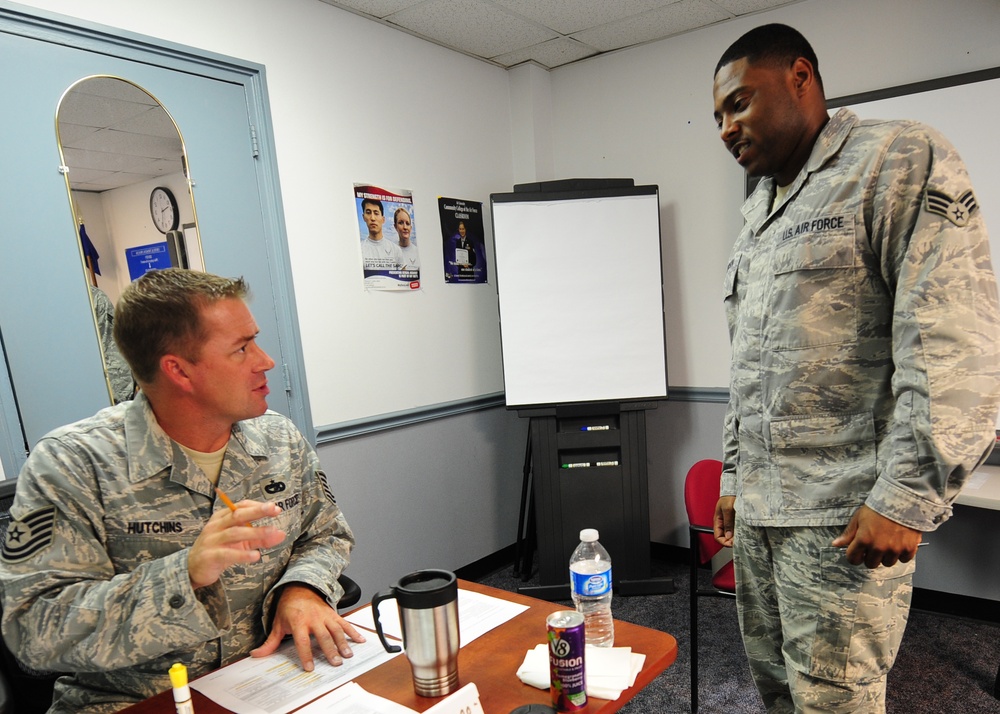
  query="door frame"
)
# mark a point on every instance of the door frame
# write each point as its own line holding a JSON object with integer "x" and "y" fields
{"x": 44, "y": 26}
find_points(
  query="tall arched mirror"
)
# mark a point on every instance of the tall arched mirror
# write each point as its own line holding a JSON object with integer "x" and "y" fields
{"x": 129, "y": 189}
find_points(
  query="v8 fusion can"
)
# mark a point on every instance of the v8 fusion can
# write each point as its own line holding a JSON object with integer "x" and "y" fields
{"x": 568, "y": 683}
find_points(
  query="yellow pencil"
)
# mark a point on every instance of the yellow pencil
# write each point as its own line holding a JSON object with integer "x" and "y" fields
{"x": 226, "y": 499}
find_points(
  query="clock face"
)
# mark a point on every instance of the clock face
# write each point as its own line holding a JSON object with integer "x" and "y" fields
{"x": 163, "y": 209}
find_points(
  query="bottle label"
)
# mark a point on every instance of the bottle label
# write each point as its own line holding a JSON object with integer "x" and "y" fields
{"x": 591, "y": 584}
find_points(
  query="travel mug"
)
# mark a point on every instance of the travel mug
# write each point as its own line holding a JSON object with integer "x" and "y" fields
{"x": 428, "y": 612}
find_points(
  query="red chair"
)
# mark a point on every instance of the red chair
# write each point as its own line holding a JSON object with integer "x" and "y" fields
{"x": 701, "y": 493}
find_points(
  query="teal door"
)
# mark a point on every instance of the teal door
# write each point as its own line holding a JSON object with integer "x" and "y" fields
{"x": 54, "y": 372}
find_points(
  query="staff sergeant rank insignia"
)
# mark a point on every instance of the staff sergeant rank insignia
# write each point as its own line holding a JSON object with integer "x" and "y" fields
{"x": 957, "y": 210}
{"x": 326, "y": 487}
{"x": 28, "y": 535}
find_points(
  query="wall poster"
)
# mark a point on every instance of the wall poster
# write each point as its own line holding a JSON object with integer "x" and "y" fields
{"x": 464, "y": 242}
{"x": 389, "y": 255}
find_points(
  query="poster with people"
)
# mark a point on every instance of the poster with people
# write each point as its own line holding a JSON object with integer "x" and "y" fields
{"x": 464, "y": 241}
{"x": 389, "y": 255}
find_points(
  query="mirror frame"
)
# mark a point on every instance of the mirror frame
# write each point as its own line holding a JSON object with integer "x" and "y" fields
{"x": 194, "y": 251}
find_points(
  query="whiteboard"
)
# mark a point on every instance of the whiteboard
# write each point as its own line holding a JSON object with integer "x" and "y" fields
{"x": 580, "y": 289}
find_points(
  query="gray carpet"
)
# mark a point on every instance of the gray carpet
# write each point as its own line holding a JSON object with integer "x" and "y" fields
{"x": 946, "y": 664}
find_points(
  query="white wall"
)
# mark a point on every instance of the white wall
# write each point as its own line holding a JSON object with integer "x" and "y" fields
{"x": 90, "y": 209}
{"x": 129, "y": 222}
{"x": 440, "y": 494}
{"x": 120, "y": 219}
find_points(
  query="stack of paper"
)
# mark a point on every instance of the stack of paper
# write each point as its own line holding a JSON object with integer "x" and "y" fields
{"x": 477, "y": 615}
{"x": 277, "y": 684}
{"x": 609, "y": 670}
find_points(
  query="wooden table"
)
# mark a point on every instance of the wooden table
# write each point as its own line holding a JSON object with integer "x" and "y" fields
{"x": 491, "y": 661}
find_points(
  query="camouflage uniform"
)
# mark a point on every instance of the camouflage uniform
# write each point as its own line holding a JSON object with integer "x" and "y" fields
{"x": 116, "y": 368}
{"x": 864, "y": 322}
{"x": 94, "y": 568}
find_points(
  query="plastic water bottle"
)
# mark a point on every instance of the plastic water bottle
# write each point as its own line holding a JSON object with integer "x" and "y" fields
{"x": 590, "y": 584}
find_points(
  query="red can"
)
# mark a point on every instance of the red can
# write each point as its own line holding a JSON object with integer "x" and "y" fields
{"x": 568, "y": 682}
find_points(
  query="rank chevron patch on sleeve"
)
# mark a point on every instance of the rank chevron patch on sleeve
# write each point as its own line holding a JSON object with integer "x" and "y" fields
{"x": 326, "y": 487}
{"x": 957, "y": 210}
{"x": 28, "y": 535}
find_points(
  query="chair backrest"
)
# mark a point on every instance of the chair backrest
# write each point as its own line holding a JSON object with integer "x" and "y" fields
{"x": 6, "y": 498}
{"x": 7, "y": 489}
{"x": 701, "y": 493}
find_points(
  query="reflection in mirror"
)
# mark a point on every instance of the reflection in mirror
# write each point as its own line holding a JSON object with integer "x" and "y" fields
{"x": 129, "y": 188}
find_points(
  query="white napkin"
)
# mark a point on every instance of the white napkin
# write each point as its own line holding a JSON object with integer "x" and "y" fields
{"x": 609, "y": 670}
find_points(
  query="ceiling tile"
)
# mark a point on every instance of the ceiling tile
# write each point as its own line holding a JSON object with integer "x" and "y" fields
{"x": 553, "y": 53}
{"x": 569, "y": 17}
{"x": 375, "y": 8}
{"x": 125, "y": 144}
{"x": 102, "y": 180}
{"x": 153, "y": 122}
{"x": 508, "y": 32}
{"x": 113, "y": 88}
{"x": 73, "y": 134}
{"x": 80, "y": 159}
{"x": 473, "y": 26}
{"x": 653, "y": 25}
{"x": 94, "y": 110}
{"x": 742, "y": 7}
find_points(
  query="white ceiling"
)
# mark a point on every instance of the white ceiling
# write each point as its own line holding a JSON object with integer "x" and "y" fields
{"x": 549, "y": 32}
{"x": 114, "y": 134}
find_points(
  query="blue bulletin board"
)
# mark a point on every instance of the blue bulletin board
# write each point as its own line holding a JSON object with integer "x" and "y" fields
{"x": 143, "y": 258}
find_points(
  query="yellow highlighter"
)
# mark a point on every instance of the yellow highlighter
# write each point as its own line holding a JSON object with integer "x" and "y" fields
{"x": 182, "y": 693}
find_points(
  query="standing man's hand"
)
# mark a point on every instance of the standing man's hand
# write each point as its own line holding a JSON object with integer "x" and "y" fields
{"x": 303, "y": 613}
{"x": 725, "y": 520}
{"x": 875, "y": 540}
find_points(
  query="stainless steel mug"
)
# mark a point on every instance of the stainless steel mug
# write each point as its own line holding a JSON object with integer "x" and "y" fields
{"x": 428, "y": 612}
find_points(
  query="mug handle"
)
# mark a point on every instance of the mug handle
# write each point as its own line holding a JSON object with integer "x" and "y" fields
{"x": 379, "y": 597}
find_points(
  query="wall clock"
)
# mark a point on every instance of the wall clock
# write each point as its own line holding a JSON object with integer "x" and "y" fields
{"x": 163, "y": 209}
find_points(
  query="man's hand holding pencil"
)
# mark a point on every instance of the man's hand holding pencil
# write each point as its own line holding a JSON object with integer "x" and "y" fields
{"x": 230, "y": 537}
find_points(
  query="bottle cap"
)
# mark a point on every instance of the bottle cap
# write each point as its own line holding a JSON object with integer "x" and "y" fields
{"x": 589, "y": 535}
